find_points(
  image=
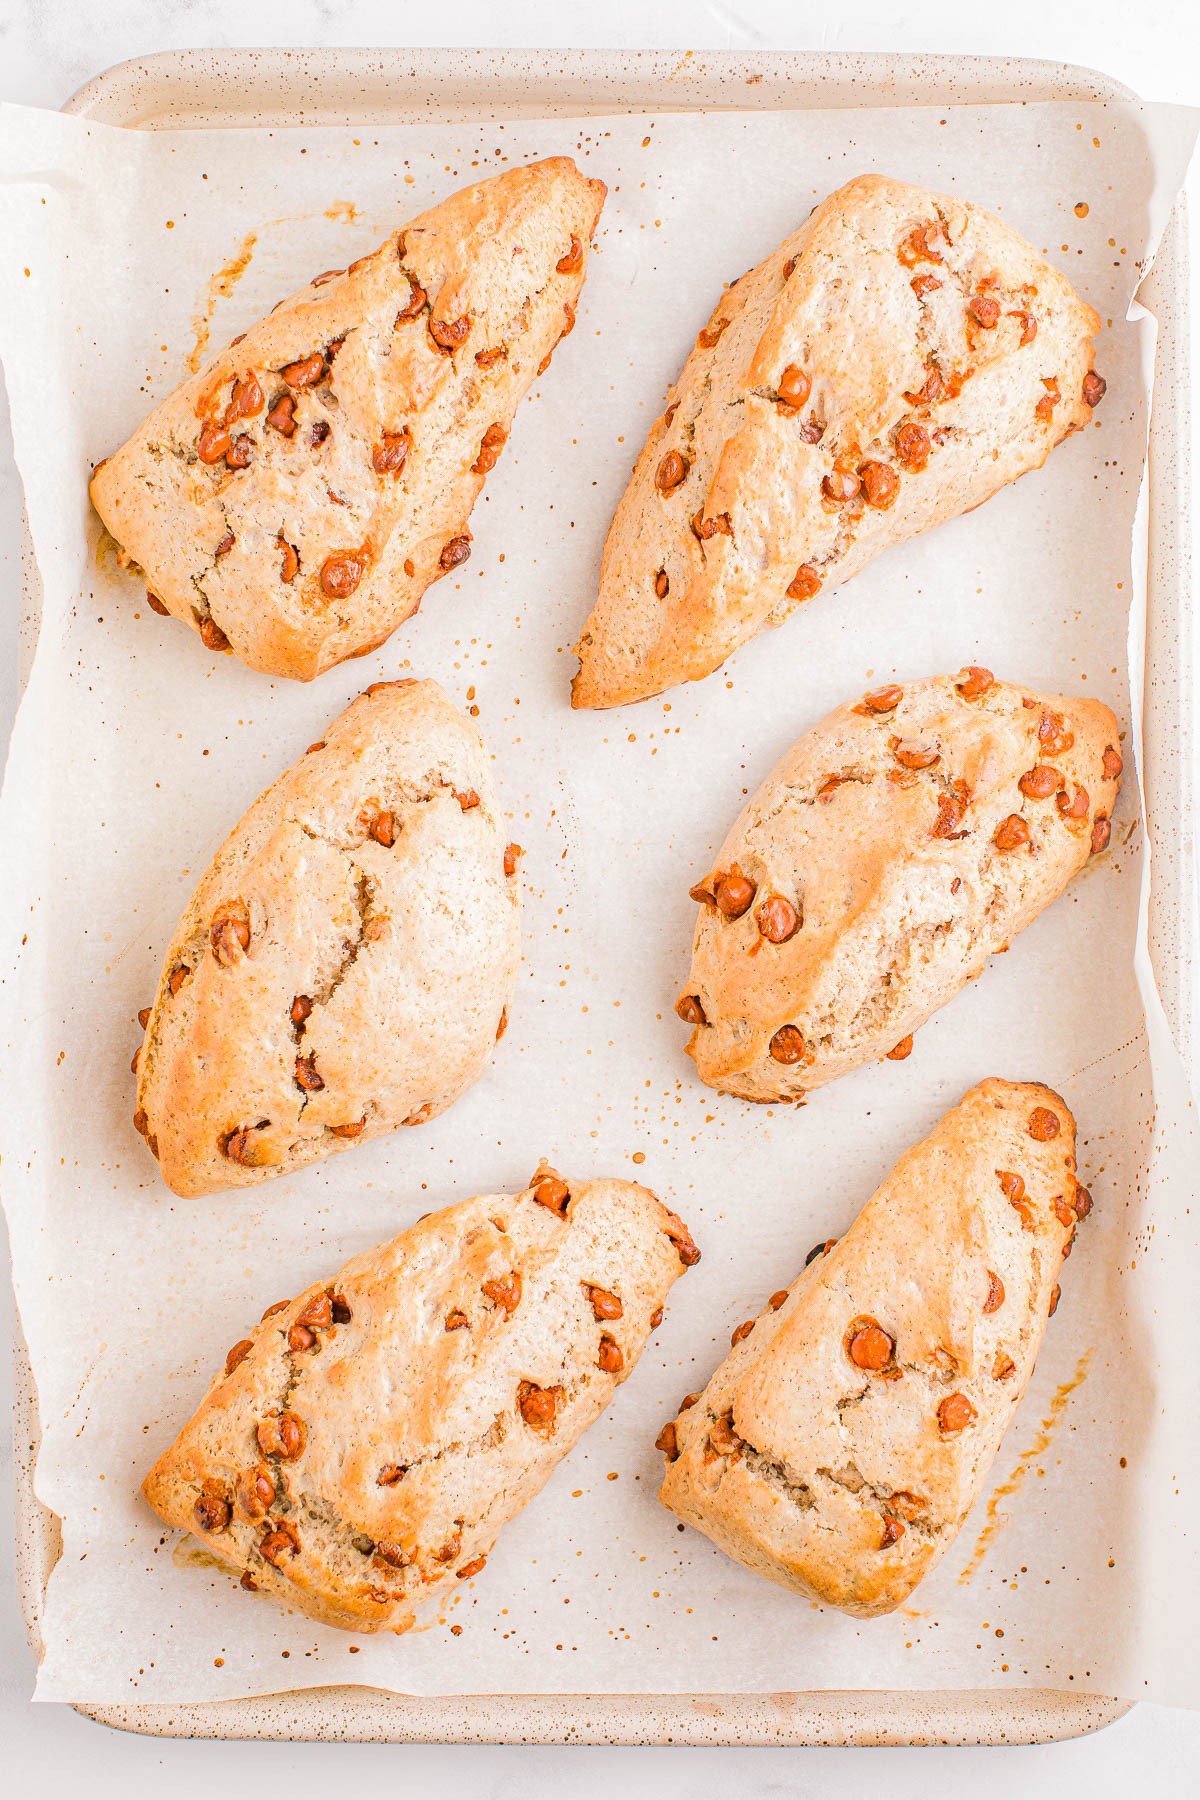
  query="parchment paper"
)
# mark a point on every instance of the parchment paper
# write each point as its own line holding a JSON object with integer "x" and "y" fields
{"x": 136, "y": 750}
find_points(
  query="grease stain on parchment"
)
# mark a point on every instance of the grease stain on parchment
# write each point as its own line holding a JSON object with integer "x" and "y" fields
{"x": 222, "y": 284}
{"x": 109, "y": 552}
{"x": 1016, "y": 1480}
{"x": 190, "y": 1553}
{"x": 220, "y": 287}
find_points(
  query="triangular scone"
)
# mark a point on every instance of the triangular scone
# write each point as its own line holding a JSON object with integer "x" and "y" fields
{"x": 899, "y": 358}
{"x": 894, "y": 848}
{"x": 346, "y": 963}
{"x": 364, "y": 1445}
{"x": 293, "y": 501}
{"x": 841, "y": 1444}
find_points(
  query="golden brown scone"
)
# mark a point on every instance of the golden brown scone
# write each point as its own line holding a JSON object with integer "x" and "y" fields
{"x": 293, "y": 501}
{"x": 367, "y": 1441}
{"x": 346, "y": 962}
{"x": 843, "y": 1441}
{"x": 897, "y": 845}
{"x": 899, "y": 358}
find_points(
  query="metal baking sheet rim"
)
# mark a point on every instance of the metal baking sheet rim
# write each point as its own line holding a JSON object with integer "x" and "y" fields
{"x": 291, "y": 87}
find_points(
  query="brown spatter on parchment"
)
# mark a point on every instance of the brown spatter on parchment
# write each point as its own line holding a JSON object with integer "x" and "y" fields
{"x": 220, "y": 286}
{"x": 344, "y": 210}
{"x": 1016, "y": 1480}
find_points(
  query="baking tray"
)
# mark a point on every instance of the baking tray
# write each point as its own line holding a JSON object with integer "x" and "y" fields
{"x": 257, "y": 88}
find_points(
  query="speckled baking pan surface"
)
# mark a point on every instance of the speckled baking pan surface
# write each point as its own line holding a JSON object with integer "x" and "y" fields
{"x": 135, "y": 751}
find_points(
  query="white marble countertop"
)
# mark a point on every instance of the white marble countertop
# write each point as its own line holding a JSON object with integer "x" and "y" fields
{"x": 49, "y": 48}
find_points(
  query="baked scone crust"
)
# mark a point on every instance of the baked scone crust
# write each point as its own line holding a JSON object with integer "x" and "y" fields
{"x": 869, "y": 316}
{"x": 347, "y": 960}
{"x": 365, "y": 440}
{"x": 901, "y": 842}
{"x": 847, "y": 1483}
{"x": 397, "y": 1416}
